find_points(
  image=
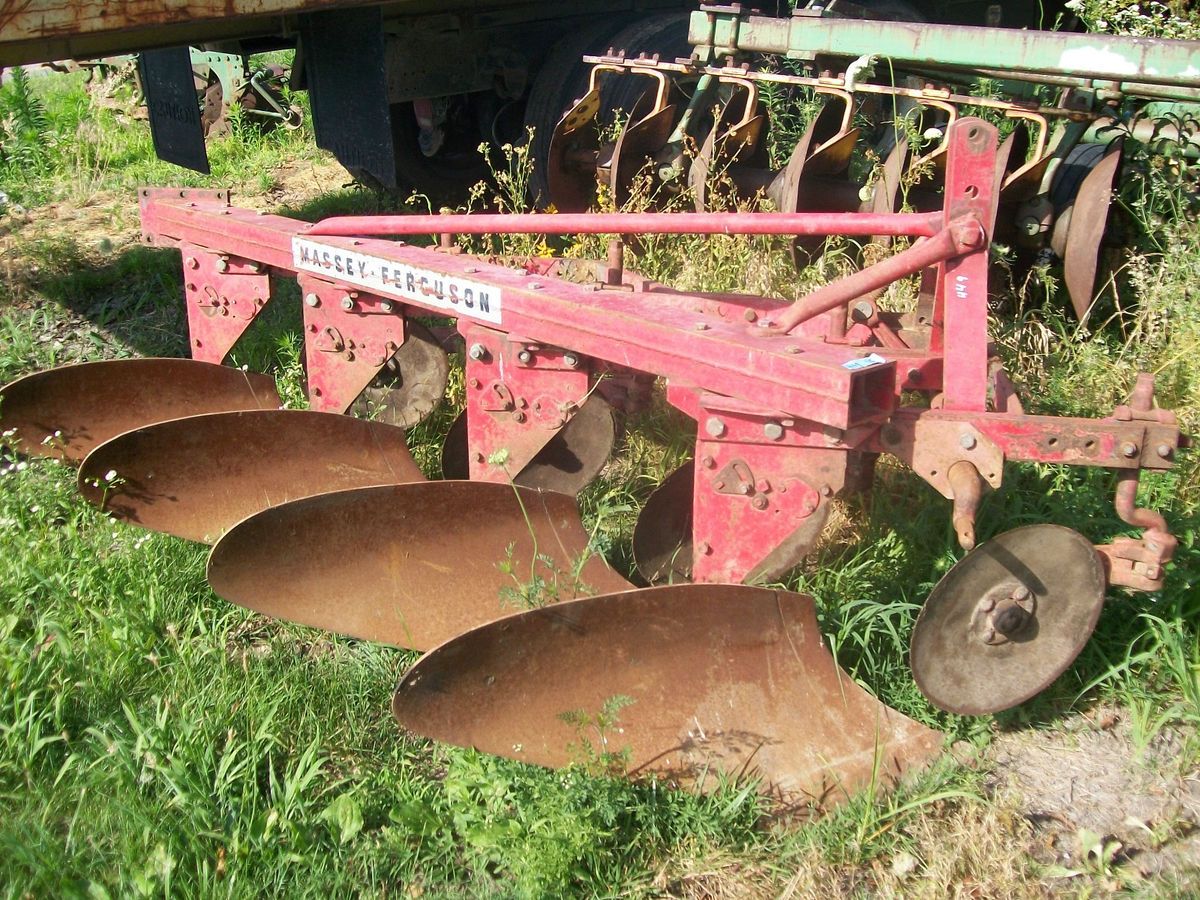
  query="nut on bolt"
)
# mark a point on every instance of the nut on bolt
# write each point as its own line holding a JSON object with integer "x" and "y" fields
{"x": 1163, "y": 450}
{"x": 386, "y": 306}
{"x": 773, "y": 430}
{"x": 571, "y": 360}
{"x": 1129, "y": 450}
{"x": 714, "y": 426}
{"x": 967, "y": 441}
{"x": 525, "y": 357}
{"x": 312, "y": 300}
{"x": 478, "y": 352}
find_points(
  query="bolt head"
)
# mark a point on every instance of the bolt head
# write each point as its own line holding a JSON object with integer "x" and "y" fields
{"x": 967, "y": 441}
{"x": 347, "y": 304}
{"x": 386, "y": 306}
{"x": 525, "y": 357}
{"x": 1163, "y": 450}
{"x": 477, "y": 352}
{"x": 759, "y": 502}
{"x": 773, "y": 430}
{"x": 714, "y": 427}
{"x": 1129, "y": 450}
{"x": 750, "y": 315}
{"x": 222, "y": 265}
{"x": 1020, "y": 593}
{"x": 571, "y": 361}
{"x": 312, "y": 300}
{"x": 708, "y": 462}
{"x": 191, "y": 262}
{"x": 703, "y": 548}
{"x": 518, "y": 417}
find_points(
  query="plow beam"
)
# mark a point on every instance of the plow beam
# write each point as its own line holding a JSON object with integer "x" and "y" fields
{"x": 67, "y": 412}
{"x": 409, "y": 565}
{"x": 712, "y": 680}
{"x": 198, "y": 476}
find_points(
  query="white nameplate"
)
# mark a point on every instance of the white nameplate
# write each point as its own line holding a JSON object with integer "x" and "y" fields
{"x": 457, "y": 296}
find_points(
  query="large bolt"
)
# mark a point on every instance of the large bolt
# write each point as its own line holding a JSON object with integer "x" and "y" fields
{"x": 1129, "y": 450}
{"x": 773, "y": 430}
{"x": 967, "y": 441}
{"x": 570, "y": 360}
{"x": 222, "y": 265}
{"x": 525, "y": 357}
{"x": 348, "y": 303}
{"x": 477, "y": 352}
{"x": 714, "y": 426}
{"x": 759, "y": 502}
{"x": 386, "y": 306}
{"x": 750, "y": 315}
{"x": 312, "y": 300}
{"x": 1163, "y": 450}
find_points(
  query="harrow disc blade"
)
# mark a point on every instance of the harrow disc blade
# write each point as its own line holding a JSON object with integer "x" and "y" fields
{"x": 568, "y": 463}
{"x": 1007, "y": 619}
{"x": 411, "y": 383}
{"x": 699, "y": 680}
{"x": 1085, "y": 223}
{"x": 197, "y": 476}
{"x": 89, "y": 403}
{"x": 410, "y": 565}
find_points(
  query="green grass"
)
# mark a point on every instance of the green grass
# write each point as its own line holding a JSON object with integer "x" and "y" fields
{"x": 156, "y": 741}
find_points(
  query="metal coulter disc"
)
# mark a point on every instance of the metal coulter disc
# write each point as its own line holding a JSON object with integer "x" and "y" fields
{"x": 703, "y": 680}
{"x": 1008, "y": 619}
{"x": 409, "y": 565}
{"x": 197, "y": 476}
{"x": 91, "y": 402}
{"x": 411, "y": 383}
{"x": 568, "y": 463}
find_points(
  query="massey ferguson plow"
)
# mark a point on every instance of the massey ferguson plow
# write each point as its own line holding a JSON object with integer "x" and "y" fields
{"x": 324, "y": 519}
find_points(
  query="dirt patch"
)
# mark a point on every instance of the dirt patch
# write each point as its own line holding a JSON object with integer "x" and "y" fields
{"x": 1099, "y": 802}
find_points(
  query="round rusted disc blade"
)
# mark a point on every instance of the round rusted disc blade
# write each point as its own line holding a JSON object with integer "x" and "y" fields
{"x": 662, "y": 538}
{"x": 410, "y": 565}
{"x": 701, "y": 680}
{"x": 635, "y": 147}
{"x": 92, "y": 402}
{"x": 1089, "y": 218}
{"x": 954, "y": 664}
{"x": 411, "y": 383}
{"x": 567, "y": 464}
{"x": 197, "y": 476}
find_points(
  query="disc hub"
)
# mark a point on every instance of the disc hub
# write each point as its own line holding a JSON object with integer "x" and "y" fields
{"x": 1006, "y": 613}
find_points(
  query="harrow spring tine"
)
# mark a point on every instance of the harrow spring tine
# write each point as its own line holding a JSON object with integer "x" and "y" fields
{"x": 197, "y": 476}
{"x": 714, "y": 679}
{"x": 409, "y": 565}
{"x": 67, "y": 412}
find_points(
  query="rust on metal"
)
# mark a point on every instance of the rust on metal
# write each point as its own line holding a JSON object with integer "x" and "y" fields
{"x": 1008, "y": 619}
{"x": 1079, "y": 231}
{"x": 66, "y": 412}
{"x": 411, "y": 383}
{"x": 410, "y": 565}
{"x": 198, "y": 476}
{"x": 705, "y": 680}
{"x": 662, "y": 537}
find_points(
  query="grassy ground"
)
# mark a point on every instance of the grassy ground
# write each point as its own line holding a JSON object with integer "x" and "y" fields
{"x": 154, "y": 740}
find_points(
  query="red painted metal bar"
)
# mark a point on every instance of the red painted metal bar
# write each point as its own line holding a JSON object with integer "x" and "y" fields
{"x": 797, "y": 224}
{"x": 954, "y": 240}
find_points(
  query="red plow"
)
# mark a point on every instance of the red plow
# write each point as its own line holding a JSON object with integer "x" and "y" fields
{"x": 324, "y": 519}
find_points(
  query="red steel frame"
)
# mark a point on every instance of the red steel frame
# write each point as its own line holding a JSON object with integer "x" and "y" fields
{"x": 781, "y": 395}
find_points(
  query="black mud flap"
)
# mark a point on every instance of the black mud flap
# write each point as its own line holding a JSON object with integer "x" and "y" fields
{"x": 346, "y": 69}
{"x": 174, "y": 107}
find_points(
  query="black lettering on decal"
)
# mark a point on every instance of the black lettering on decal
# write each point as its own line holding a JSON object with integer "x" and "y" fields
{"x": 411, "y": 282}
{"x": 483, "y": 303}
